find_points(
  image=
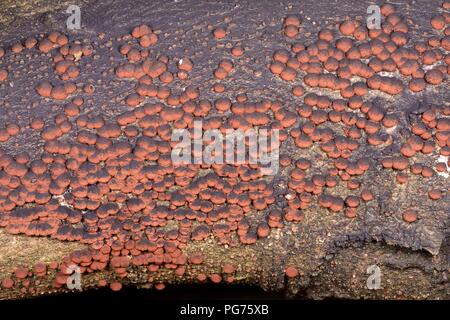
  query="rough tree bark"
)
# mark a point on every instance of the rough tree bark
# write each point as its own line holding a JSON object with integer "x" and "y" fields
{"x": 330, "y": 251}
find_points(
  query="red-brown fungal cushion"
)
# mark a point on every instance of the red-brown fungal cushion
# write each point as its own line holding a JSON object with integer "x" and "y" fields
{"x": 347, "y": 28}
{"x": 37, "y": 124}
{"x": 435, "y": 194}
{"x": 390, "y": 121}
{"x": 160, "y": 286}
{"x": 366, "y": 195}
{"x": 352, "y": 201}
{"x": 351, "y": 212}
{"x": 290, "y": 31}
{"x": 115, "y": 286}
{"x": 226, "y": 64}
{"x": 21, "y": 272}
{"x": 196, "y": 258}
{"x": 228, "y": 268}
{"x": 219, "y": 33}
{"x": 438, "y": 22}
{"x": 291, "y": 271}
{"x": 140, "y": 31}
{"x": 58, "y": 93}
{"x": 215, "y": 278}
{"x": 222, "y": 104}
{"x": 3, "y": 74}
{"x": 417, "y": 85}
{"x": 44, "y": 89}
{"x": 185, "y": 64}
{"x": 263, "y": 230}
{"x": 427, "y": 172}
{"x": 288, "y": 74}
{"x": 237, "y": 51}
{"x": 220, "y": 73}
{"x": 401, "y": 177}
{"x": 292, "y": 20}
{"x": 40, "y": 269}
{"x": 218, "y": 88}
{"x": 12, "y": 129}
{"x": 45, "y": 46}
{"x": 434, "y": 76}
{"x": 276, "y": 67}
{"x": 148, "y": 40}
{"x": 7, "y": 283}
{"x": 30, "y": 42}
{"x": 409, "y": 216}
{"x": 102, "y": 283}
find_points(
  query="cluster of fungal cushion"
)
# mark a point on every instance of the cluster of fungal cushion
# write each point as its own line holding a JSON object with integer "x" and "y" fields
{"x": 223, "y": 69}
{"x": 154, "y": 77}
{"x": 109, "y": 182}
{"x": 114, "y": 187}
{"x": 336, "y": 59}
{"x": 10, "y": 130}
{"x": 65, "y": 56}
{"x": 291, "y": 25}
{"x": 353, "y": 65}
{"x": 145, "y": 35}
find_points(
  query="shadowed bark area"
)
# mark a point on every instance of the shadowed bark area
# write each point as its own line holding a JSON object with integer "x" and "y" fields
{"x": 329, "y": 251}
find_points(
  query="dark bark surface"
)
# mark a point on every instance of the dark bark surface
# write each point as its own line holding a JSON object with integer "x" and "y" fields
{"x": 331, "y": 252}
